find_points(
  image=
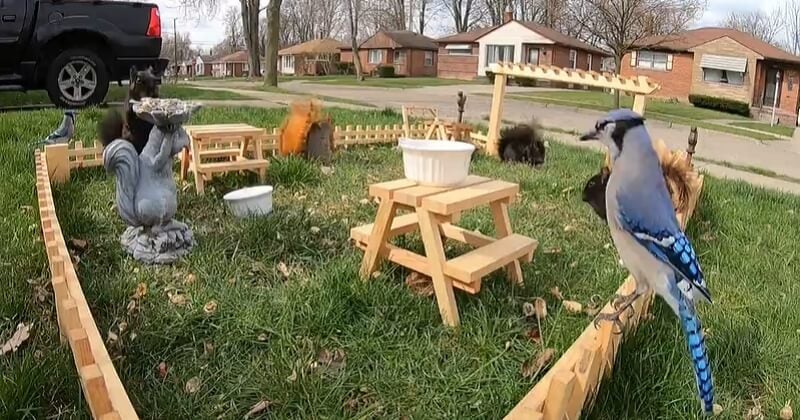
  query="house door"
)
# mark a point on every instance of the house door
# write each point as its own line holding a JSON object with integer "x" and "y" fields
{"x": 773, "y": 79}
{"x": 533, "y": 55}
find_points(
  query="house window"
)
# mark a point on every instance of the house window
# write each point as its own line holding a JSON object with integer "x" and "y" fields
{"x": 428, "y": 58}
{"x": 533, "y": 56}
{"x": 651, "y": 60}
{"x": 399, "y": 56}
{"x": 459, "y": 50}
{"x": 723, "y": 76}
{"x": 573, "y": 59}
{"x": 498, "y": 53}
{"x": 375, "y": 56}
{"x": 589, "y": 60}
{"x": 287, "y": 61}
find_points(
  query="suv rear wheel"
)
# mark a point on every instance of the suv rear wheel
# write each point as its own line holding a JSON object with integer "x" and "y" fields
{"x": 76, "y": 78}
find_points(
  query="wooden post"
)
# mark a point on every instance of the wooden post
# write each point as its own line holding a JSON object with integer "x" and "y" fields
{"x": 462, "y": 99}
{"x": 57, "y": 157}
{"x": 496, "y": 113}
{"x": 639, "y": 102}
{"x": 561, "y": 387}
{"x": 692, "y": 144}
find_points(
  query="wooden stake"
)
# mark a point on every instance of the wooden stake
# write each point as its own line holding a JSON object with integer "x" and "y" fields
{"x": 496, "y": 113}
{"x": 57, "y": 157}
{"x": 561, "y": 387}
{"x": 639, "y": 102}
{"x": 442, "y": 284}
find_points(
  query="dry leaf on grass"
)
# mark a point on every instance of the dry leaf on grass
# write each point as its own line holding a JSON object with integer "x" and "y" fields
{"x": 26, "y": 208}
{"x": 208, "y": 348}
{"x": 21, "y": 334}
{"x": 41, "y": 293}
{"x": 79, "y": 245}
{"x": 420, "y": 285}
{"x": 193, "y": 385}
{"x": 552, "y": 251}
{"x": 258, "y": 408}
{"x": 177, "y": 298}
{"x": 540, "y": 306}
{"x": 327, "y": 170}
{"x": 189, "y": 279}
{"x": 122, "y": 326}
{"x": 532, "y": 367}
{"x": 534, "y": 335}
{"x": 528, "y": 309}
{"x": 364, "y": 201}
{"x": 210, "y": 308}
{"x": 113, "y": 338}
{"x": 140, "y": 292}
{"x": 131, "y": 306}
{"x": 786, "y": 412}
{"x": 284, "y": 269}
{"x": 717, "y": 409}
{"x": 315, "y": 230}
{"x": 333, "y": 360}
{"x": 569, "y": 228}
{"x": 263, "y": 337}
{"x": 572, "y": 306}
{"x": 163, "y": 370}
{"x": 292, "y": 377}
{"x": 556, "y": 293}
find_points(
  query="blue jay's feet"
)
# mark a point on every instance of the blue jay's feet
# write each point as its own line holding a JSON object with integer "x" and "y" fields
{"x": 621, "y": 303}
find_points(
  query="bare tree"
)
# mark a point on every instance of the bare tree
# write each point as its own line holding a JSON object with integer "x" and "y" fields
{"x": 791, "y": 16}
{"x": 354, "y": 9}
{"x": 183, "y": 45}
{"x": 250, "y": 9}
{"x": 621, "y": 25}
{"x": 234, "y": 33}
{"x": 763, "y": 26}
{"x": 272, "y": 42}
{"x": 465, "y": 13}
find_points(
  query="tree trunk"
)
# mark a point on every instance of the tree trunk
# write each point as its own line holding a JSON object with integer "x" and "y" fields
{"x": 273, "y": 39}
{"x": 353, "y": 11}
{"x": 250, "y": 26}
{"x": 617, "y": 71}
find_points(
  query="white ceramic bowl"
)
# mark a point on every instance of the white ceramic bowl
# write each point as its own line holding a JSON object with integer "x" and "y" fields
{"x": 436, "y": 163}
{"x": 251, "y": 201}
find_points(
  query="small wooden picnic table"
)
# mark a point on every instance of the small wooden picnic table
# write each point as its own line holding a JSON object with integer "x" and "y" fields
{"x": 434, "y": 211}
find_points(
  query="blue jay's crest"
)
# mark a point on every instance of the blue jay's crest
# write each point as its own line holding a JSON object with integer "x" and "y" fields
{"x": 611, "y": 129}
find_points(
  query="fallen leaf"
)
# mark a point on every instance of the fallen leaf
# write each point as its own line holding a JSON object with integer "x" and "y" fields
{"x": 569, "y": 228}
{"x": 189, "y": 279}
{"x": 364, "y": 201}
{"x": 314, "y": 230}
{"x": 334, "y": 360}
{"x": 607, "y": 246}
{"x": 532, "y": 367}
{"x": 786, "y": 412}
{"x": 131, "y": 306}
{"x": 177, "y": 298}
{"x": 283, "y": 269}
{"x": 133, "y": 335}
{"x": 262, "y": 337}
{"x": 541, "y": 308}
{"x": 80, "y": 245}
{"x": 534, "y": 335}
{"x": 327, "y": 170}
{"x": 376, "y": 274}
{"x": 112, "y": 337}
{"x": 193, "y": 385}
{"x": 210, "y": 308}
{"x": 572, "y": 306}
{"x": 21, "y": 334}
{"x": 26, "y": 208}
{"x": 140, "y": 292}
{"x": 122, "y": 326}
{"x": 41, "y": 293}
{"x": 163, "y": 370}
{"x": 208, "y": 348}
{"x": 556, "y": 293}
{"x": 258, "y": 408}
{"x": 528, "y": 309}
{"x": 38, "y": 355}
{"x": 566, "y": 190}
{"x": 420, "y": 285}
{"x": 293, "y": 376}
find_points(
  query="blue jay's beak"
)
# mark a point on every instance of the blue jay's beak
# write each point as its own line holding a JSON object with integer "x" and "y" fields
{"x": 592, "y": 135}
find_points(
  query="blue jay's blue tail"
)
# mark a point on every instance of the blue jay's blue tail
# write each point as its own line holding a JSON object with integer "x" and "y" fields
{"x": 697, "y": 349}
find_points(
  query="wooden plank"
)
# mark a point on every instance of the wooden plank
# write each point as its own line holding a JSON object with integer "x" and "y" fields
{"x": 502, "y": 225}
{"x": 462, "y": 235}
{"x": 482, "y": 261}
{"x": 586, "y": 379}
{"x": 81, "y": 349}
{"x": 401, "y": 225}
{"x": 94, "y": 386}
{"x": 496, "y": 113}
{"x": 57, "y": 157}
{"x": 413, "y": 196}
{"x": 561, "y": 388}
{"x": 442, "y": 285}
{"x": 472, "y": 196}
{"x": 639, "y": 102}
{"x": 640, "y": 84}
{"x": 234, "y": 166}
{"x": 377, "y": 238}
{"x": 384, "y": 190}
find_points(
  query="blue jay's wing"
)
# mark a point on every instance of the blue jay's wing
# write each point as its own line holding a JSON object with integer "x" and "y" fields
{"x": 673, "y": 248}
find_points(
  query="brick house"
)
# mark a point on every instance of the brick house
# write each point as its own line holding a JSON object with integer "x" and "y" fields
{"x": 315, "y": 57}
{"x": 231, "y": 65}
{"x": 721, "y": 62}
{"x": 467, "y": 55}
{"x": 411, "y": 54}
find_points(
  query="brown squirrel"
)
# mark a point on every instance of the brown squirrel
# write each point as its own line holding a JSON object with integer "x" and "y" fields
{"x": 123, "y": 123}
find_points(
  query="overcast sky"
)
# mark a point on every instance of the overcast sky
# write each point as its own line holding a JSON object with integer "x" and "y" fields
{"x": 205, "y": 34}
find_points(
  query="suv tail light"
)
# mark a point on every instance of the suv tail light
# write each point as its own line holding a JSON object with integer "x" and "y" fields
{"x": 154, "y": 26}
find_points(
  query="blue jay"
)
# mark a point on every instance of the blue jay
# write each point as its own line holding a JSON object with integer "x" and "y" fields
{"x": 649, "y": 240}
{"x": 64, "y": 132}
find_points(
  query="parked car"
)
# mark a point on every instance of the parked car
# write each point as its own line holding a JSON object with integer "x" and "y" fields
{"x": 74, "y": 49}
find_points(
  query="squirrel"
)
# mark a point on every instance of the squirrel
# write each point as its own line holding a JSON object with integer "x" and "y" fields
{"x": 522, "y": 143}
{"x": 123, "y": 123}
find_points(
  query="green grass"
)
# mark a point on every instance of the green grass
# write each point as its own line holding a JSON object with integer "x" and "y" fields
{"x": 326, "y": 98}
{"x": 117, "y": 94}
{"x": 400, "y": 360}
{"x": 679, "y": 113}
{"x": 752, "y": 169}
{"x": 396, "y": 82}
{"x": 780, "y": 130}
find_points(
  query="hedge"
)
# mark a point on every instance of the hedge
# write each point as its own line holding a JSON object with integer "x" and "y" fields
{"x": 720, "y": 104}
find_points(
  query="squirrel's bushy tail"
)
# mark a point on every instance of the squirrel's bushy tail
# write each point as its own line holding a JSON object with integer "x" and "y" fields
{"x": 110, "y": 127}
{"x": 121, "y": 158}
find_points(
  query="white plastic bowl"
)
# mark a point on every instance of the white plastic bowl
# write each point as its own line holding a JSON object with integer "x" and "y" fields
{"x": 251, "y": 201}
{"x": 436, "y": 163}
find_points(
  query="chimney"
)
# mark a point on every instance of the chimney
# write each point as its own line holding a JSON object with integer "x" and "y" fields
{"x": 508, "y": 16}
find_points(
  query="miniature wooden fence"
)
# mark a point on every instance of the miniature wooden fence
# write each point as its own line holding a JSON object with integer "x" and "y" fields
{"x": 572, "y": 382}
{"x": 639, "y": 86}
{"x": 101, "y": 385}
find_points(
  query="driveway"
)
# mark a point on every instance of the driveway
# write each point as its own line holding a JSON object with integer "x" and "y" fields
{"x": 781, "y": 157}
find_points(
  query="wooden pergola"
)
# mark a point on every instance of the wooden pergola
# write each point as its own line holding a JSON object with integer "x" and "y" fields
{"x": 639, "y": 86}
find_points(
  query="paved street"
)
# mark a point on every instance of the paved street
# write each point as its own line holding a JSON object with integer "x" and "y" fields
{"x": 781, "y": 157}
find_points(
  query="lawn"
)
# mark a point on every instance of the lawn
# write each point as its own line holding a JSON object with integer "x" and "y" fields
{"x": 333, "y": 99}
{"x": 117, "y": 94}
{"x": 780, "y": 130}
{"x": 265, "y": 339}
{"x": 661, "y": 110}
{"x": 395, "y": 82}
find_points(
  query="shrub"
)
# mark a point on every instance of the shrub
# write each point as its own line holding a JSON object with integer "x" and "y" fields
{"x": 386, "y": 71}
{"x": 490, "y": 76}
{"x": 525, "y": 82}
{"x": 720, "y": 104}
{"x": 345, "y": 68}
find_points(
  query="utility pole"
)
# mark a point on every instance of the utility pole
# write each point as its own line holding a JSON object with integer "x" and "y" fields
{"x": 175, "y": 43}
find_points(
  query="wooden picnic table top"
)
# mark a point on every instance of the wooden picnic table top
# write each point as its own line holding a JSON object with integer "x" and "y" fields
{"x": 474, "y": 191}
{"x": 223, "y": 129}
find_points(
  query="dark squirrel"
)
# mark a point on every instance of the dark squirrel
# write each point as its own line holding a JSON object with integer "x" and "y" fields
{"x": 123, "y": 123}
{"x": 522, "y": 143}
{"x": 594, "y": 192}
